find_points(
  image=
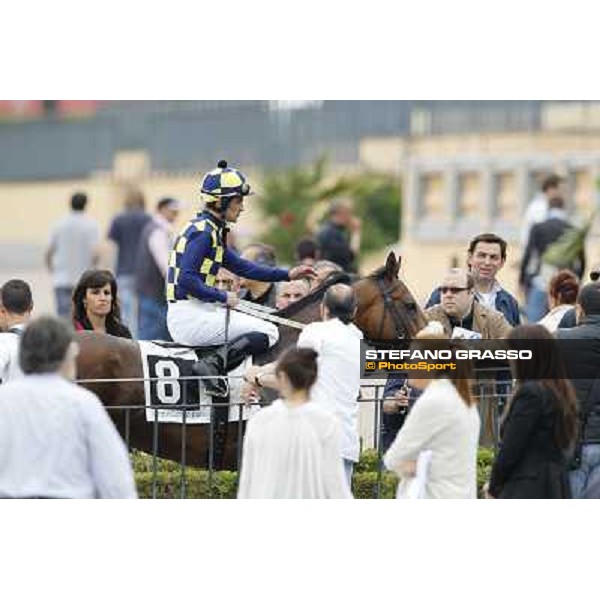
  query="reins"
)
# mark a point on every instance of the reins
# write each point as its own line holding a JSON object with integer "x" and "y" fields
{"x": 266, "y": 314}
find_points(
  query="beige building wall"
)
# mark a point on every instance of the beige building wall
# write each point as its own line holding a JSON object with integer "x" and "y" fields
{"x": 503, "y": 162}
{"x": 455, "y": 186}
{"x": 32, "y": 208}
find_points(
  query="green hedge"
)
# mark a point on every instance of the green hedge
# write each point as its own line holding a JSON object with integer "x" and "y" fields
{"x": 224, "y": 483}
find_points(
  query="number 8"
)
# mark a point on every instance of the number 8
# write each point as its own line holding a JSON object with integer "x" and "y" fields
{"x": 168, "y": 369}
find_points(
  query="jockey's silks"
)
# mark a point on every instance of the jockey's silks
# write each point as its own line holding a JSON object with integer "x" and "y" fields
{"x": 199, "y": 251}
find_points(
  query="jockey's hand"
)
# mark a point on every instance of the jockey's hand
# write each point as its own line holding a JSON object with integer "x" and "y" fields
{"x": 302, "y": 272}
{"x": 232, "y": 299}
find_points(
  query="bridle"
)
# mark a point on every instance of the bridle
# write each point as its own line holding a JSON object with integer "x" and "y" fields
{"x": 390, "y": 307}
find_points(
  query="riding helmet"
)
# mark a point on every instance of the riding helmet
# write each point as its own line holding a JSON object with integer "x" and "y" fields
{"x": 224, "y": 182}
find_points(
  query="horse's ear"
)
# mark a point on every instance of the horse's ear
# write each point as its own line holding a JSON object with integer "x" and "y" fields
{"x": 392, "y": 267}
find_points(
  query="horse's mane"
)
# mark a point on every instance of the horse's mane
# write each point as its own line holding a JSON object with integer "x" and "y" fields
{"x": 315, "y": 296}
{"x": 378, "y": 273}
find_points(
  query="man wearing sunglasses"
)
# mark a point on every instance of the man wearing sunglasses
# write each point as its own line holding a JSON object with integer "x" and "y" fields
{"x": 461, "y": 314}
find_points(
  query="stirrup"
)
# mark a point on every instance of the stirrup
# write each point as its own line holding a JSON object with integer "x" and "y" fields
{"x": 212, "y": 383}
{"x": 215, "y": 391}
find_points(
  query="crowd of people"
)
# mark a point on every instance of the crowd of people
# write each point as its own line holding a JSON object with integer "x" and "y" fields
{"x": 306, "y": 444}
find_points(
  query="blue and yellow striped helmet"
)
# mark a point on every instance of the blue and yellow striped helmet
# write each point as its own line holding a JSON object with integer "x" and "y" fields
{"x": 224, "y": 182}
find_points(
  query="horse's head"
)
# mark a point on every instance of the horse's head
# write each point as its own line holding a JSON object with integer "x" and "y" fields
{"x": 387, "y": 310}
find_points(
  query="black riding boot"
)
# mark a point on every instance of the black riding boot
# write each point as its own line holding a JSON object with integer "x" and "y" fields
{"x": 228, "y": 358}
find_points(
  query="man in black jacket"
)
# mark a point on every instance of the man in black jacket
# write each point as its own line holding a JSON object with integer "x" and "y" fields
{"x": 339, "y": 237}
{"x": 535, "y": 275}
{"x": 581, "y": 353}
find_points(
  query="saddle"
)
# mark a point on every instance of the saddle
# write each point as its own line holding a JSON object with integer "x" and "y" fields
{"x": 199, "y": 351}
{"x": 220, "y": 403}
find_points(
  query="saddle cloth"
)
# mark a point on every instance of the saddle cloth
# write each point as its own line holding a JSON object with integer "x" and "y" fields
{"x": 168, "y": 395}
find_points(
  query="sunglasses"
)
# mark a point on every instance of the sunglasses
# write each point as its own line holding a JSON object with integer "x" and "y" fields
{"x": 453, "y": 290}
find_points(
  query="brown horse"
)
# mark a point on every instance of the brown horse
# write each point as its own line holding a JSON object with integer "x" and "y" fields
{"x": 386, "y": 310}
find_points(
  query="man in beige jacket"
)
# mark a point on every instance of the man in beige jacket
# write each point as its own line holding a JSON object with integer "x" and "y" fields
{"x": 459, "y": 311}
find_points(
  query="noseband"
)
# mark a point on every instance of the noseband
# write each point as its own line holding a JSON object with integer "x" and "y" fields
{"x": 389, "y": 307}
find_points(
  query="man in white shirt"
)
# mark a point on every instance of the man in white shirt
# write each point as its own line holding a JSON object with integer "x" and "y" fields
{"x": 337, "y": 341}
{"x": 16, "y": 305}
{"x": 56, "y": 439}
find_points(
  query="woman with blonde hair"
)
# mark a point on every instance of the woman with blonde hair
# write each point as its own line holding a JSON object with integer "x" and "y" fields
{"x": 444, "y": 423}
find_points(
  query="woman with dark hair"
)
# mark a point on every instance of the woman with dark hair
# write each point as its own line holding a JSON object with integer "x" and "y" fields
{"x": 292, "y": 449}
{"x": 444, "y": 423}
{"x": 96, "y": 306}
{"x": 562, "y": 296}
{"x": 540, "y": 426}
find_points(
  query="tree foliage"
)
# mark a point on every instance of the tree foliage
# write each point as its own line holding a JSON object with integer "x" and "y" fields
{"x": 289, "y": 197}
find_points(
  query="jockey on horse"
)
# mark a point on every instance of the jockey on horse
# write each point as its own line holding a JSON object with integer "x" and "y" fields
{"x": 197, "y": 313}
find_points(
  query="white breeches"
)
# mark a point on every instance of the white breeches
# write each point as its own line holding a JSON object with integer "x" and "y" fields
{"x": 196, "y": 323}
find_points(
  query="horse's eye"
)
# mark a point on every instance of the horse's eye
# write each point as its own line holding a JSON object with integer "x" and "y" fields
{"x": 411, "y": 306}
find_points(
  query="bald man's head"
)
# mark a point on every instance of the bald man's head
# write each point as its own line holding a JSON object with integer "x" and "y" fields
{"x": 456, "y": 293}
{"x": 339, "y": 302}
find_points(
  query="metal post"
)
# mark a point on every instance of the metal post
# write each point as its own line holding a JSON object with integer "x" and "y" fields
{"x": 211, "y": 458}
{"x": 379, "y": 405}
{"x": 127, "y": 427}
{"x": 227, "y": 322}
{"x": 240, "y": 428}
{"x": 154, "y": 451}
{"x": 375, "y": 417}
{"x": 183, "y": 440}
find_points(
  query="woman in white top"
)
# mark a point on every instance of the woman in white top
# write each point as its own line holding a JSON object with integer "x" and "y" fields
{"x": 292, "y": 449}
{"x": 562, "y": 295}
{"x": 445, "y": 421}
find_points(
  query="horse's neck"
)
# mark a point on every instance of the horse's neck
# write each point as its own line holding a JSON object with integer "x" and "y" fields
{"x": 288, "y": 336}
